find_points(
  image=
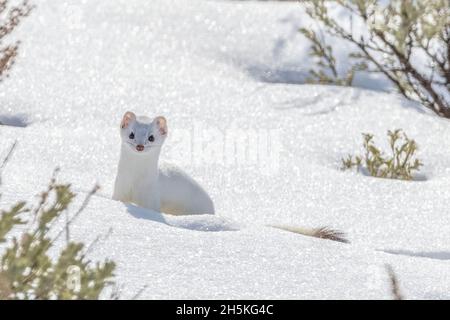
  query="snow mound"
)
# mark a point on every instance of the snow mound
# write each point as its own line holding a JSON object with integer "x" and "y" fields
{"x": 204, "y": 222}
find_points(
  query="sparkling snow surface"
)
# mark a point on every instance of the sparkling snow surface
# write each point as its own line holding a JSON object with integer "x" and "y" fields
{"x": 216, "y": 70}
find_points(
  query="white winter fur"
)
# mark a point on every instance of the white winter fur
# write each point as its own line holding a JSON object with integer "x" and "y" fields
{"x": 140, "y": 180}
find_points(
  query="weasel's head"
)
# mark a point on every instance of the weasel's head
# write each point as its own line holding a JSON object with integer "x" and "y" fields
{"x": 142, "y": 134}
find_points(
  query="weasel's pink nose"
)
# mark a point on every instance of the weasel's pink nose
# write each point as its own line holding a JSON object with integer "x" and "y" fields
{"x": 139, "y": 147}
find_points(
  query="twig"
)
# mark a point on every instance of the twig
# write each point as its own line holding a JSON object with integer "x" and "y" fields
{"x": 139, "y": 293}
{"x": 97, "y": 240}
{"x": 6, "y": 159}
{"x": 394, "y": 283}
{"x": 75, "y": 216}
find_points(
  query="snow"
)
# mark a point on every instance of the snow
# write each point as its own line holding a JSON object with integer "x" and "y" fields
{"x": 224, "y": 72}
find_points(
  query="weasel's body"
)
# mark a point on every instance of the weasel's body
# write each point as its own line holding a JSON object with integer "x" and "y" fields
{"x": 140, "y": 180}
{"x": 182, "y": 194}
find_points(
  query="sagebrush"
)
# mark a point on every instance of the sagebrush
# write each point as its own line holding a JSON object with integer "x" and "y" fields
{"x": 26, "y": 269}
{"x": 10, "y": 18}
{"x": 397, "y": 35}
{"x": 400, "y": 163}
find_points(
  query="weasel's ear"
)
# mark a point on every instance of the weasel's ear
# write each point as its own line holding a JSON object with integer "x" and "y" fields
{"x": 161, "y": 123}
{"x": 127, "y": 118}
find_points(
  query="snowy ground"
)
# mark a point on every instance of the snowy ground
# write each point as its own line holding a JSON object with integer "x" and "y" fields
{"x": 213, "y": 69}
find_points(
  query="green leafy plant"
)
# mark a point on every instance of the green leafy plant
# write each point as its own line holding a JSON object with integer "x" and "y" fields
{"x": 395, "y": 34}
{"x": 27, "y": 271}
{"x": 399, "y": 164}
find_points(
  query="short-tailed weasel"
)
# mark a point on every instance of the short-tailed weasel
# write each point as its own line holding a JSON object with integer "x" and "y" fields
{"x": 140, "y": 180}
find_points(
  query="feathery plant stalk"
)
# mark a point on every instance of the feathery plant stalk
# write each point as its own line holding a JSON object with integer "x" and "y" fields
{"x": 400, "y": 164}
{"x": 10, "y": 18}
{"x": 396, "y": 36}
{"x": 326, "y": 71}
{"x": 26, "y": 269}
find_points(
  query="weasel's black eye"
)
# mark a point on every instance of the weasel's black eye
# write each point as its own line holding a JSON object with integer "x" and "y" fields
{"x": 151, "y": 138}
{"x": 131, "y": 136}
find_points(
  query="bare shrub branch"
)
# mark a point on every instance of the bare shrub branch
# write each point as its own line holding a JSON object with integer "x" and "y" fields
{"x": 398, "y": 33}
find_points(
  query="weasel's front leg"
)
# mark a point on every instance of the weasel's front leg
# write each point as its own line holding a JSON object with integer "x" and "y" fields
{"x": 121, "y": 192}
{"x": 147, "y": 196}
